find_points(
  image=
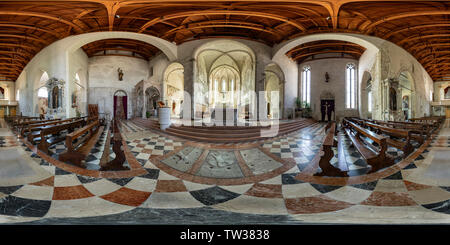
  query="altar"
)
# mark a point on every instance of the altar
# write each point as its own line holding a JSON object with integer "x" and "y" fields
{"x": 224, "y": 116}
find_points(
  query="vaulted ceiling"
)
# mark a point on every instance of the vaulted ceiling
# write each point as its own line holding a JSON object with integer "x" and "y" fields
{"x": 420, "y": 27}
{"x": 120, "y": 47}
{"x": 325, "y": 49}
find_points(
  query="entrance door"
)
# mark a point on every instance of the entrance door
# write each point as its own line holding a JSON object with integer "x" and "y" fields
{"x": 447, "y": 112}
{"x": 2, "y": 111}
{"x": 326, "y": 109}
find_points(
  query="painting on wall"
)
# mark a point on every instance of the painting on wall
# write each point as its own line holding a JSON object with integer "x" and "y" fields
{"x": 447, "y": 93}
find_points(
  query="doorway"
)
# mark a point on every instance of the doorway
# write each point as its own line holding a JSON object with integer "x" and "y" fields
{"x": 447, "y": 112}
{"x": 327, "y": 110}
{"x": 120, "y": 104}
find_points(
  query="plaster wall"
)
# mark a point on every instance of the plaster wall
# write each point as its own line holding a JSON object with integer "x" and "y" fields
{"x": 9, "y": 88}
{"x": 336, "y": 71}
{"x": 104, "y": 81}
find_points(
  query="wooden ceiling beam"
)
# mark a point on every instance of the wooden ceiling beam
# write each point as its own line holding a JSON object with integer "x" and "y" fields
{"x": 42, "y": 15}
{"x": 367, "y": 28}
{"x": 46, "y": 43}
{"x": 411, "y": 28}
{"x": 325, "y": 52}
{"x": 178, "y": 29}
{"x": 323, "y": 45}
{"x": 221, "y": 12}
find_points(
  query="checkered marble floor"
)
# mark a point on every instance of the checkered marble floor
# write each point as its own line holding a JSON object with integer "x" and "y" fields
{"x": 282, "y": 199}
{"x": 151, "y": 144}
{"x": 302, "y": 146}
{"x": 156, "y": 197}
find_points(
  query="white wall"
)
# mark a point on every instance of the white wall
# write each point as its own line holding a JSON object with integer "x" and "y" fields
{"x": 336, "y": 68}
{"x": 104, "y": 81}
{"x": 9, "y": 88}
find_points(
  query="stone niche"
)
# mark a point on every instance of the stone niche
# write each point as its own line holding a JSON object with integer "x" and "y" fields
{"x": 56, "y": 101}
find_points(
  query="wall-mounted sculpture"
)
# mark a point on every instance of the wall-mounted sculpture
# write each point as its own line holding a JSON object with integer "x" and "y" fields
{"x": 56, "y": 103}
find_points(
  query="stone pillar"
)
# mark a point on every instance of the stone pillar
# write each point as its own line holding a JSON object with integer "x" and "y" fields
{"x": 189, "y": 80}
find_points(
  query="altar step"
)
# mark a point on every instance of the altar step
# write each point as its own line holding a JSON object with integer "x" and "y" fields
{"x": 227, "y": 134}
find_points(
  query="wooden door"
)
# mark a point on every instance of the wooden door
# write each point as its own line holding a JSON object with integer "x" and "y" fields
{"x": 12, "y": 111}
{"x": 2, "y": 111}
{"x": 447, "y": 112}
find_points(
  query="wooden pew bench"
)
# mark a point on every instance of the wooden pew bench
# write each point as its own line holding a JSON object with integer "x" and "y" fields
{"x": 33, "y": 131}
{"x": 80, "y": 142}
{"x": 327, "y": 148}
{"x": 51, "y": 135}
{"x": 405, "y": 146}
{"x": 375, "y": 157}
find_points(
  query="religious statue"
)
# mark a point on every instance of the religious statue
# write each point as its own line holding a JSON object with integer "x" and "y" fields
{"x": 2, "y": 93}
{"x": 120, "y": 74}
{"x": 55, "y": 97}
{"x": 74, "y": 99}
{"x": 392, "y": 99}
{"x": 327, "y": 77}
{"x": 405, "y": 103}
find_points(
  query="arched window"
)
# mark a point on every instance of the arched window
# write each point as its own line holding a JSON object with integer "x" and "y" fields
{"x": 44, "y": 78}
{"x": 306, "y": 84}
{"x": 43, "y": 92}
{"x": 350, "y": 85}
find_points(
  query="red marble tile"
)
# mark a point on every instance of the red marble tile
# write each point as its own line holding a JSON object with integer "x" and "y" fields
{"x": 316, "y": 204}
{"x": 148, "y": 151}
{"x": 127, "y": 196}
{"x": 71, "y": 192}
{"x": 389, "y": 199}
{"x": 140, "y": 145}
{"x": 414, "y": 186}
{"x": 170, "y": 186}
{"x": 46, "y": 182}
{"x": 265, "y": 190}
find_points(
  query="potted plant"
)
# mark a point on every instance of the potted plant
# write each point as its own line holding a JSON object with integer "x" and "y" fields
{"x": 148, "y": 114}
{"x": 298, "y": 102}
{"x": 306, "y": 110}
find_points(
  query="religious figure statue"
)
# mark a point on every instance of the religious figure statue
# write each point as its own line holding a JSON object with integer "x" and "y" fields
{"x": 55, "y": 95}
{"x": 120, "y": 74}
{"x": 2, "y": 93}
{"x": 74, "y": 99}
{"x": 327, "y": 77}
{"x": 392, "y": 99}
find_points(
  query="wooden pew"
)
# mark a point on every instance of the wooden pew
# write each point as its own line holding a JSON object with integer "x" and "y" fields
{"x": 21, "y": 126}
{"x": 405, "y": 146}
{"x": 117, "y": 162}
{"x": 376, "y": 157}
{"x": 33, "y": 131}
{"x": 55, "y": 132}
{"x": 80, "y": 142}
{"x": 324, "y": 162}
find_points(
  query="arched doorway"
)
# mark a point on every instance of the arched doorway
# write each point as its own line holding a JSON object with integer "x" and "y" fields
{"x": 274, "y": 91}
{"x": 120, "y": 104}
{"x": 224, "y": 75}
{"x": 407, "y": 92}
{"x": 174, "y": 88}
{"x": 152, "y": 96}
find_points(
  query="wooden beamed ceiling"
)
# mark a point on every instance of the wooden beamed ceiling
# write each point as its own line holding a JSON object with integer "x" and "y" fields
{"x": 420, "y": 27}
{"x": 130, "y": 47}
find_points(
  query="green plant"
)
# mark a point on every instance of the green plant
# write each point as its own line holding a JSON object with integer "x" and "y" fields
{"x": 148, "y": 114}
{"x": 306, "y": 109}
{"x": 298, "y": 102}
